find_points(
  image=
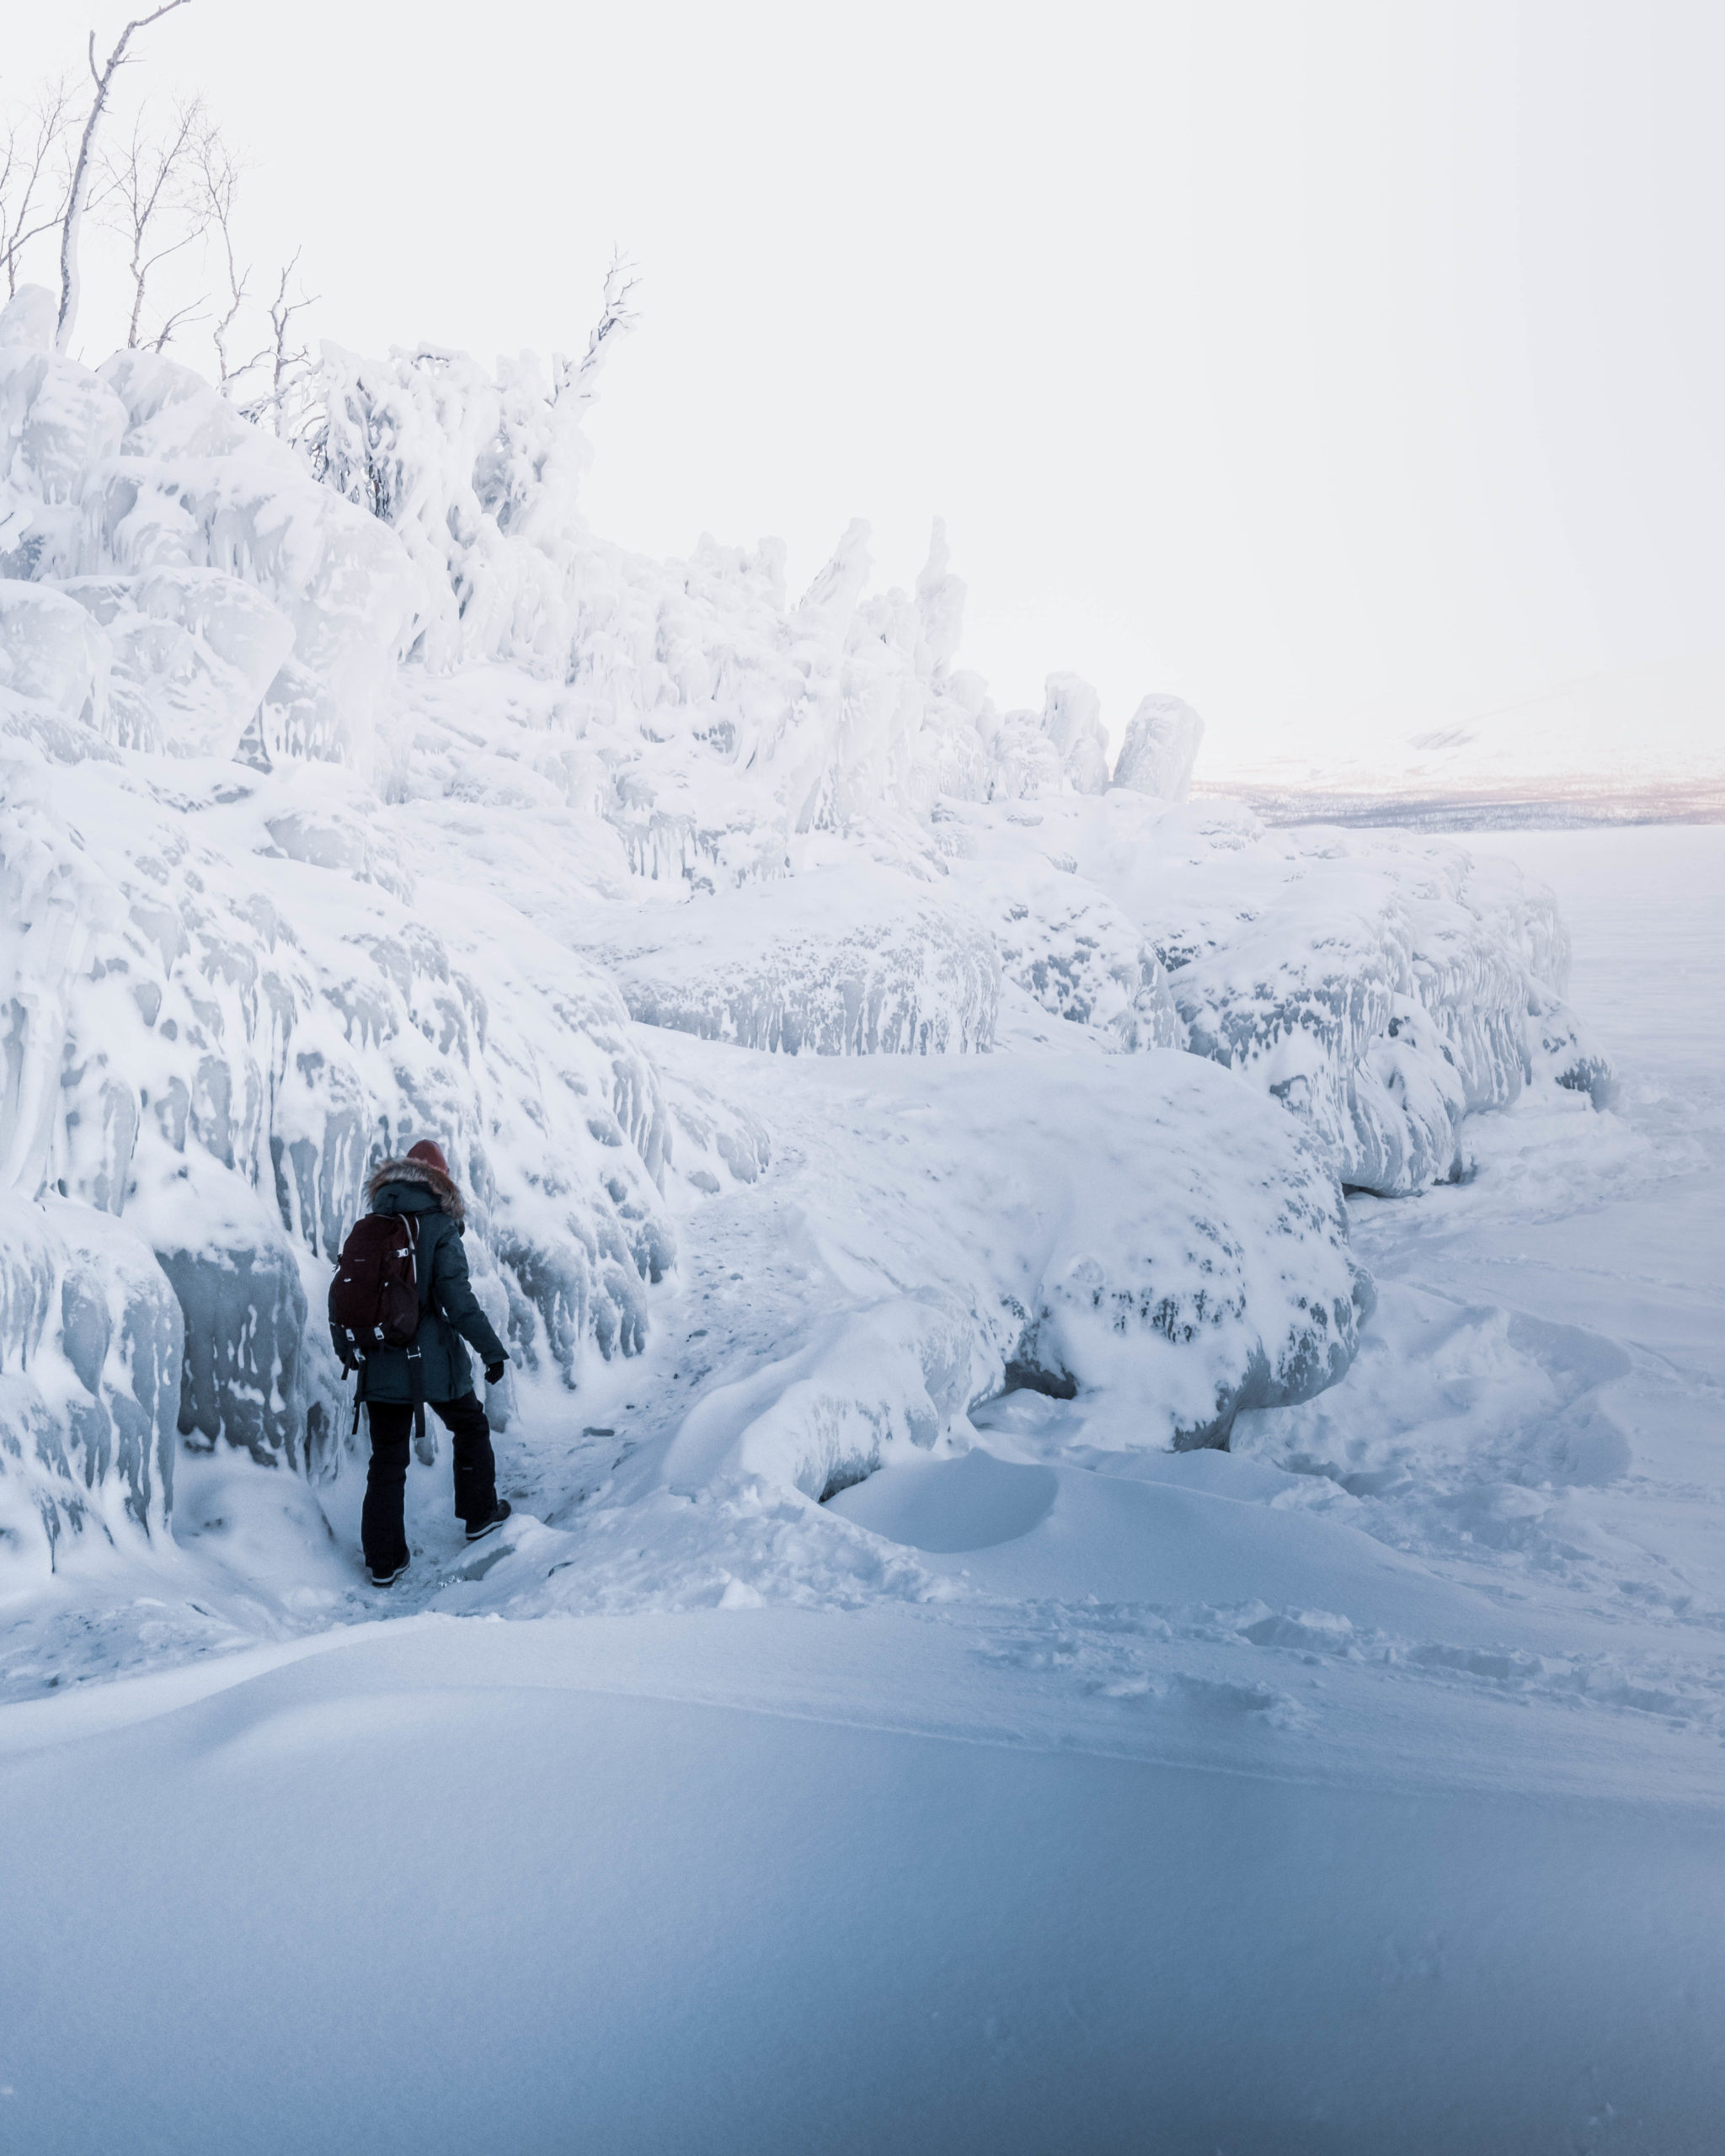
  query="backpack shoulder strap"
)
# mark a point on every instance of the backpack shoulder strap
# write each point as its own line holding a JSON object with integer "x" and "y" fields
{"x": 422, "y": 1270}
{"x": 416, "y": 1375}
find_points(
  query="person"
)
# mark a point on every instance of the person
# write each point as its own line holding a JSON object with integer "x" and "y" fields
{"x": 422, "y": 1188}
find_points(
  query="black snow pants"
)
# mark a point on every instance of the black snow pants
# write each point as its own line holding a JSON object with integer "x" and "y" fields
{"x": 382, "y": 1529}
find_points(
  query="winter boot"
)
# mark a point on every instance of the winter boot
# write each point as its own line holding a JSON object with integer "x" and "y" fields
{"x": 481, "y": 1528}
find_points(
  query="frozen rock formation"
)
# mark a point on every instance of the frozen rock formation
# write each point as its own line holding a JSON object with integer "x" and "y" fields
{"x": 842, "y": 961}
{"x": 1064, "y": 747}
{"x": 1384, "y": 991}
{"x": 1068, "y": 1220}
{"x": 91, "y": 1340}
{"x": 214, "y": 1036}
{"x": 191, "y": 653}
{"x": 219, "y": 578}
{"x": 1075, "y": 952}
{"x": 1160, "y": 749}
{"x": 355, "y": 792}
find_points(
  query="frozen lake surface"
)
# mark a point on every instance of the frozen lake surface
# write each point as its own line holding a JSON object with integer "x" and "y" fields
{"x": 1357, "y": 1789}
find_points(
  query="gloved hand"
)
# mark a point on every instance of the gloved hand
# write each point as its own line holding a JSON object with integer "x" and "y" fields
{"x": 494, "y": 1371}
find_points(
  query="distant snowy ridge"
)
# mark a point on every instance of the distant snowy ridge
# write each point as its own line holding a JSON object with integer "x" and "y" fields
{"x": 365, "y": 794}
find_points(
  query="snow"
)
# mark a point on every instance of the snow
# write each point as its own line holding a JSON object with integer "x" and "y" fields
{"x": 1357, "y": 1788}
{"x": 1111, "y": 1414}
{"x": 727, "y": 1922}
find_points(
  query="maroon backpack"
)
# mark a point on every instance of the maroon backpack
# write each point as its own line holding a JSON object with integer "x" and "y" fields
{"x": 374, "y": 1299}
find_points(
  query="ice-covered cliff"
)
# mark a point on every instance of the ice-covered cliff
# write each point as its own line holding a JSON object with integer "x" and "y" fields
{"x": 356, "y": 792}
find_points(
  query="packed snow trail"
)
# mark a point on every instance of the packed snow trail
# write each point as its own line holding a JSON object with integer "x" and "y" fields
{"x": 1359, "y": 1789}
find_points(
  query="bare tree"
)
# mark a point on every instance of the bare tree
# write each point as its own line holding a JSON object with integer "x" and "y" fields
{"x": 78, "y": 193}
{"x": 615, "y": 316}
{"x": 163, "y": 191}
{"x": 218, "y": 178}
{"x": 32, "y": 190}
{"x": 286, "y": 359}
{"x": 219, "y": 175}
{"x": 153, "y": 196}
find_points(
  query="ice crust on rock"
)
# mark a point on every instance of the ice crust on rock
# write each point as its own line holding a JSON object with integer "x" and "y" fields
{"x": 362, "y": 794}
{"x": 91, "y": 1340}
{"x": 842, "y": 961}
{"x": 1075, "y": 953}
{"x": 1384, "y": 989}
{"x": 215, "y": 1038}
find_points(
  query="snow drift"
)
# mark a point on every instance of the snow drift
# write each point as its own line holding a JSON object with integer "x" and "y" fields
{"x": 356, "y": 792}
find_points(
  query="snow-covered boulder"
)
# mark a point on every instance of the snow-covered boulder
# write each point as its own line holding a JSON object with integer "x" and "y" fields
{"x": 1061, "y": 749}
{"x": 195, "y": 487}
{"x": 1071, "y": 719}
{"x": 1561, "y": 1050}
{"x": 1160, "y": 749}
{"x": 1146, "y": 1224}
{"x": 28, "y": 319}
{"x": 192, "y": 653}
{"x": 1073, "y": 951}
{"x": 55, "y": 670}
{"x": 59, "y": 425}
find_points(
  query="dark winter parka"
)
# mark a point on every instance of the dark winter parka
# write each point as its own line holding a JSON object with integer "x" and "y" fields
{"x": 447, "y": 1302}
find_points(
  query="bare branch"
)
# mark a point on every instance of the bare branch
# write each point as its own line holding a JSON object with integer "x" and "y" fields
{"x": 286, "y": 360}
{"x": 173, "y": 323}
{"x": 77, "y": 193}
{"x": 32, "y": 194}
{"x": 616, "y": 316}
{"x": 218, "y": 178}
{"x": 282, "y": 312}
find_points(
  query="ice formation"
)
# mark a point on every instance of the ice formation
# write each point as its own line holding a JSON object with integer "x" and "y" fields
{"x": 364, "y": 793}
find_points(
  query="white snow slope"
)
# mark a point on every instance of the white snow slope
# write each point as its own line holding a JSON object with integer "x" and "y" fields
{"x": 864, "y": 1100}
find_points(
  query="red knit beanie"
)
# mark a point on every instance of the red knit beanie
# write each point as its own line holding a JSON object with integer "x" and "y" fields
{"x": 432, "y": 1154}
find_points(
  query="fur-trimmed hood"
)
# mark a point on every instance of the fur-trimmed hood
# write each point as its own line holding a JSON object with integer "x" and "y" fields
{"x": 444, "y": 1189}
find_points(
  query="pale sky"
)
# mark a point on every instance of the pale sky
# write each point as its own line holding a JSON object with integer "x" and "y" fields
{"x": 1334, "y": 366}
